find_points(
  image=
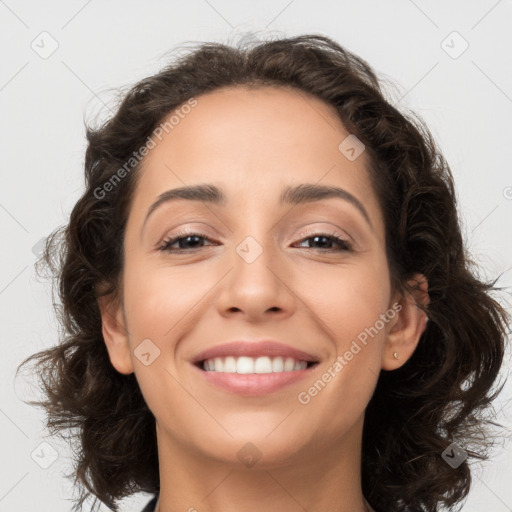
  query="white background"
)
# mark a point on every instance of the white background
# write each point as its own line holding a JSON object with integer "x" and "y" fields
{"x": 466, "y": 101}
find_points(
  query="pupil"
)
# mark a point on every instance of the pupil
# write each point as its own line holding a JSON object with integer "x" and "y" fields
{"x": 194, "y": 237}
{"x": 320, "y": 237}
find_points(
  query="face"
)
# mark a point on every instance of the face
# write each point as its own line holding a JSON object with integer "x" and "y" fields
{"x": 254, "y": 267}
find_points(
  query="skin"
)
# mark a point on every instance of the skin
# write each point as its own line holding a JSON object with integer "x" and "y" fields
{"x": 251, "y": 143}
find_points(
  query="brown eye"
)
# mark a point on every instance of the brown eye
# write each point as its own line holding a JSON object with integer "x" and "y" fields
{"x": 186, "y": 242}
{"x": 326, "y": 241}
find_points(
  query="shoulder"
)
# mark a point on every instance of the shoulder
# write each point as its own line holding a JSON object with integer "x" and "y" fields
{"x": 150, "y": 507}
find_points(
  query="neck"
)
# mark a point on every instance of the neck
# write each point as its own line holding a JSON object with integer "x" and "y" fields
{"x": 324, "y": 478}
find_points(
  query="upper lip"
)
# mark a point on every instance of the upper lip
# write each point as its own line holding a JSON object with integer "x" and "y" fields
{"x": 254, "y": 349}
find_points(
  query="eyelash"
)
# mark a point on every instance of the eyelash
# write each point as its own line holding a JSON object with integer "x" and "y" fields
{"x": 166, "y": 244}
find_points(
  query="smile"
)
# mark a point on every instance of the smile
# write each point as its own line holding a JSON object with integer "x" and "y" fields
{"x": 253, "y": 376}
{"x": 250, "y": 365}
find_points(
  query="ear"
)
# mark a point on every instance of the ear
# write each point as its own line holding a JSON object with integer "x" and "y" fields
{"x": 410, "y": 323}
{"x": 115, "y": 334}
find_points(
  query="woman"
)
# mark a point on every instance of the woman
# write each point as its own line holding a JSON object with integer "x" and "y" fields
{"x": 246, "y": 284}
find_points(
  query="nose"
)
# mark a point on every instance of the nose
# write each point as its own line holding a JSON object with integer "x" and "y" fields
{"x": 258, "y": 286}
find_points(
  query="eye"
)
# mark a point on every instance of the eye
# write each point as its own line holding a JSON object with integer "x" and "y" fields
{"x": 182, "y": 239}
{"x": 194, "y": 238}
{"x": 328, "y": 239}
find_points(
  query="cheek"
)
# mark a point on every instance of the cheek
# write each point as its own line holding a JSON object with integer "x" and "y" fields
{"x": 349, "y": 300}
{"x": 160, "y": 316}
{"x": 351, "y": 304}
{"x": 159, "y": 304}
{"x": 158, "y": 301}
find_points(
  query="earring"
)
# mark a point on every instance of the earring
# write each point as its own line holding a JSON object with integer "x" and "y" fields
{"x": 395, "y": 355}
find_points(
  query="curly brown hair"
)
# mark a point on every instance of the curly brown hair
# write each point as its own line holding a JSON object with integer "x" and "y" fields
{"x": 442, "y": 394}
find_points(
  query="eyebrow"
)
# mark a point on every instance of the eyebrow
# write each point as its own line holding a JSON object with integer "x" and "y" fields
{"x": 291, "y": 195}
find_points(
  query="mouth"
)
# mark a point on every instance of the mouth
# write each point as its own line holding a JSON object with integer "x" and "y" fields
{"x": 254, "y": 365}
{"x": 253, "y": 368}
{"x": 254, "y": 376}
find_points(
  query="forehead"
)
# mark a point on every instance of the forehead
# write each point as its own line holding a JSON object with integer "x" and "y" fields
{"x": 252, "y": 142}
{"x": 256, "y": 124}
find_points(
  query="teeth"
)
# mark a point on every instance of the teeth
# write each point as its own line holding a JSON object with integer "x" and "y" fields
{"x": 244, "y": 364}
{"x": 263, "y": 365}
{"x": 229, "y": 365}
{"x": 289, "y": 364}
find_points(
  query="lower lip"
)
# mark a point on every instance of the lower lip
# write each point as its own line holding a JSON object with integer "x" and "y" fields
{"x": 254, "y": 384}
